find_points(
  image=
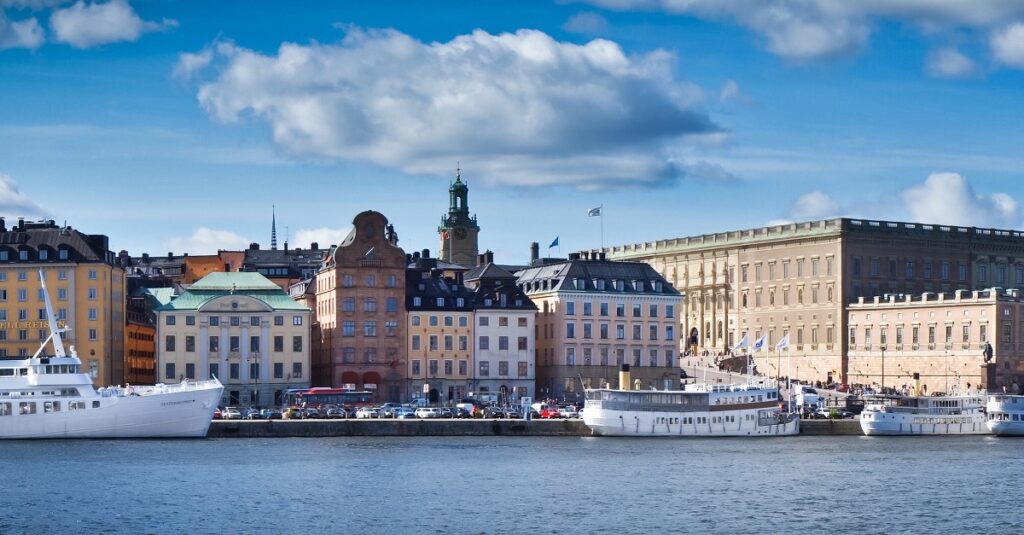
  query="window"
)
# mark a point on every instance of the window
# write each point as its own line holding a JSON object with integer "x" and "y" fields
{"x": 169, "y": 342}
{"x": 449, "y": 342}
{"x": 190, "y": 320}
{"x": 503, "y": 368}
{"x": 214, "y": 344}
{"x": 440, "y": 301}
{"x": 169, "y": 371}
{"x": 348, "y": 328}
{"x": 278, "y": 344}
{"x": 523, "y": 344}
{"x": 570, "y": 356}
{"x": 653, "y": 332}
{"x": 463, "y": 343}
{"x": 23, "y": 275}
{"x": 254, "y": 321}
{"x": 93, "y": 314}
{"x": 190, "y": 371}
{"x": 654, "y": 353}
{"x": 636, "y": 310}
{"x": 93, "y": 293}
{"x": 570, "y": 330}
{"x": 620, "y": 310}
{"x": 234, "y": 344}
{"x": 348, "y": 355}
{"x": 588, "y": 330}
{"x": 604, "y": 309}
{"x": 982, "y": 273}
{"x": 190, "y": 344}
{"x": 484, "y": 342}
{"x": 254, "y": 344}
{"x": 448, "y": 322}
{"x": 391, "y": 304}
{"x": 214, "y": 369}
{"x": 448, "y": 367}
{"x": 417, "y": 301}
{"x": 371, "y": 281}
{"x": 278, "y": 370}
{"x": 463, "y": 367}
{"x": 433, "y": 321}
{"x": 502, "y": 343}
{"x": 296, "y": 320}
{"x": 214, "y": 321}
{"x": 485, "y": 368}
{"x": 522, "y": 369}
{"x": 235, "y": 321}
{"x": 463, "y": 321}
{"x": 416, "y": 367}
{"x": 392, "y": 281}
{"x": 171, "y": 320}
{"x": 297, "y": 343}
{"x": 416, "y": 342}
{"x": 669, "y": 332}
{"x": 369, "y": 328}
{"x": 369, "y": 304}
{"x": 484, "y": 321}
{"x": 588, "y": 308}
{"x": 636, "y": 332}
{"x": 620, "y": 332}
{"x": 415, "y": 320}
{"x": 570, "y": 308}
{"x": 233, "y": 370}
{"x": 278, "y": 320}
{"x": 390, "y": 328}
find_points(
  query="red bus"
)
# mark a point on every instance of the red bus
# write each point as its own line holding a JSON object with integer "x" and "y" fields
{"x": 320, "y": 395}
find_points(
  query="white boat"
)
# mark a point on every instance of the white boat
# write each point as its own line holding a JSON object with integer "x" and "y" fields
{"x": 699, "y": 410}
{"x": 1005, "y": 414}
{"x": 51, "y": 397}
{"x": 925, "y": 415}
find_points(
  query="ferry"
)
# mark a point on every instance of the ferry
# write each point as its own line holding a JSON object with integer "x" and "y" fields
{"x": 52, "y": 397}
{"x": 1005, "y": 414}
{"x": 925, "y": 415}
{"x": 699, "y": 410}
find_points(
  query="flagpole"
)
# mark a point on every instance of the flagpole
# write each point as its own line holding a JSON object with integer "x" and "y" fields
{"x": 602, "y": 227}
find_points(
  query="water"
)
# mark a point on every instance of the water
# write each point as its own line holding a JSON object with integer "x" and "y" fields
{"x": 514, "y": 485}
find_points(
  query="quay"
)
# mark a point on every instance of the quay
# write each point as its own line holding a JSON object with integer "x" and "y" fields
{"x": 451, "y": 428}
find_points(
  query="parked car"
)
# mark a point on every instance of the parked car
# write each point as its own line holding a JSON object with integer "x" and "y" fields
{"x": 231, "y": 413}
{"x": 252, "y": 413}
{"x": 336, "y": 413}
{"x": 445, "y": 412}
{"x": 494, "y": 412}
{"x": 217, "y": 414}
{"x": 367, "y": 412}
{"x": 568, "y": 411}
{"x": 387, "y": 410}
{"x": 427, "y": 412}
{"x": 459, "y": 412}
{"x": 468, "y": 407}
{"x": 405, "y": 413}
{"x": 550, "y": 412}
{"x": 513, "y": 412}
{"x": 271, "y": 414}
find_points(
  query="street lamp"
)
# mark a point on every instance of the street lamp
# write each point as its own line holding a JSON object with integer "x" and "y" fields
{"x": 883, "y": 368}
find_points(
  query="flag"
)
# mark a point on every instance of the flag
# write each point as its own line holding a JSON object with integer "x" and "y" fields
{"x": 554, "y": 243}
{"x": 759, "y": 344}
{"x": 783, "y": 344}
{"x": 742, "y": 344}
{"x": 594, "y": 212}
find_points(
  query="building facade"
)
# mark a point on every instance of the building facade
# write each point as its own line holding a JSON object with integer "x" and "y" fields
{"x": 504, "y": 334}
{"x": 440, "y": 334}
{"x": 87, "y": 289}
{"x": 360, "y": 309}
{"x": 797, "y": 279}
{"x": 942, "y": 337}
{"x": 242, "y": 329}
{"x": 459, "y": 231}
{"x": 595, "y": 315}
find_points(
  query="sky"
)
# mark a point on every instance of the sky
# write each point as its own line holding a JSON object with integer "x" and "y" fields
{"x": 179, "y": 126}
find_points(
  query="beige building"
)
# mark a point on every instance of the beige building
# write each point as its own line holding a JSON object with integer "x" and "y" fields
{"x": 595, "y": 315}
{"x": 241, "y": 328}
{"x": 942, "y": 337}
{"x": 798, "y": 278}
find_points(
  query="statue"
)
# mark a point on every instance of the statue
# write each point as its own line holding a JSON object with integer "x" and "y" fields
{"x": 987, "y": 352}
{"x": 391, "y": 235}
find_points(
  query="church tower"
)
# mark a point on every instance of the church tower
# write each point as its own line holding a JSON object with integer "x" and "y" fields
{"x": 458, "y": 229}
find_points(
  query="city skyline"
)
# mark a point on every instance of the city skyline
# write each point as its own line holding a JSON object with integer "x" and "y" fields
{"x": 189, "y": 121}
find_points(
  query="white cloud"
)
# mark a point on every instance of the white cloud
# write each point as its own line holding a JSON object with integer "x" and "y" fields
{"x": 522, "y": 108}
{"x": 587, "y": 23}
{"x": 814, "y": 205}
{"x": 84, "y": 25}
{"x": 20, "y": 33}
{"x": 1008, "y": 45}
{"x": 947, "y": 198}
{"x": 14, "y": 203}
{"x": 188, "y": 63}
{"x": 323, "y": 236}
{"x": 950, "y": 63}
{"x": 804, "y": 30}
{"x": 207, "y": 241}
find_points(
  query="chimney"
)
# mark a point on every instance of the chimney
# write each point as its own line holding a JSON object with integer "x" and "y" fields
{"x": 145, "y": 257}
{"x": 624, "y": 377}
{"x": 602, "y": 256}
{"x": 315, "y": 246}
{"x": 254, "y": 246}
{"x": 534, "y": 252}
{"x": 489, "y": 257}
{"x": 408, "y": 258}
{"x": 416, "y": 255}
{"x": 170, "y": 255}
{"x": 426, "y": 253}
{"x": 3, "y": 225}
{"x": 574, "y": 256}
{"x": 21, "y": 224}
{"x": 481, "y": 259}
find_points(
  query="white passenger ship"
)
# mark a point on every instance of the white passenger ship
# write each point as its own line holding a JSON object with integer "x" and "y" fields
{"x": 1005, "y": 414}
{"x": 925, "y": 415}
{"x": 699, "y": 410}
{"x": 51, "y": 397}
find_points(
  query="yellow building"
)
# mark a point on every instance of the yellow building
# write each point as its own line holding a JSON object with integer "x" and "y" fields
{"x": 242, "y": 329}
{"x": 86, "y": 289}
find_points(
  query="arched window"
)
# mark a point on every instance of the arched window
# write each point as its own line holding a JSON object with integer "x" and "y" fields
{"x": 744, "y": 301}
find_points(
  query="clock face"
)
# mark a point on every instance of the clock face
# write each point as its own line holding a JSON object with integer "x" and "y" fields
{"x": 460, "y": 234}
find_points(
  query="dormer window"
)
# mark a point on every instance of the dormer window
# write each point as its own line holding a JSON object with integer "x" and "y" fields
{"x": 657, "y": 286}
{"x": 638, "y": 286}
{"x": 23, "y": 254}
{"x": 581, "y": 284}
{"x": 44, "y": 254}
{"x": 440, "y": 301}
{"x": 417, "y": 301}
{"x": 620, "y": 285}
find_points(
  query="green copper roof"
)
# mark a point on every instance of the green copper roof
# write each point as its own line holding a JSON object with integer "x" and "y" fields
{"x": 161, "y": 295}
{"x": 237, "y": 281}
{"x": 245, "y": 284}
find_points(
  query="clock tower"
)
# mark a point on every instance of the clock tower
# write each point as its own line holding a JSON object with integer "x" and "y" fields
{"x": 458, "y": 229}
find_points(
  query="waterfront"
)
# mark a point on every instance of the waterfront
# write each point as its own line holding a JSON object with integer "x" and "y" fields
{"x": 515, "y": 485}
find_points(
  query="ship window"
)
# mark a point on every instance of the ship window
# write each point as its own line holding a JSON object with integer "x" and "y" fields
{"x": 76, "y": 406}
{"x": 95, "y": 404}
{"x": 5, "y": 409}
{"x": 27, "y": 407}
{"x": 51, "y": 406}
{"x": 6, "y": 371}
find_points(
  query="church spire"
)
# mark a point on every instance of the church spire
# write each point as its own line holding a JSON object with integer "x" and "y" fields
{"x": 273, "y": 228}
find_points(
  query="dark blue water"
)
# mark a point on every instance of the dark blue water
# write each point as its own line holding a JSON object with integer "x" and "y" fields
{"x": 515, "y": 485}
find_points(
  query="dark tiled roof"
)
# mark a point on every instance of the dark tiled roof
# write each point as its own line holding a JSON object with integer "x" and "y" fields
{"x": 598, "y": 276}
{"x": 429, "y": 285}
{"x": 47, "y": 236}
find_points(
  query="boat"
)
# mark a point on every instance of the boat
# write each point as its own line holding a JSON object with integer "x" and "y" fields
{"x": 917, "y": 414}
{"x": 51, "y": 397}
{"x": 1005, "y": 414}
{"x": 698, "y": 410}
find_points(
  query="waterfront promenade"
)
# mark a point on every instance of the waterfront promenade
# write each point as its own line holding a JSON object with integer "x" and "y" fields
{"x": 452, "y": 428}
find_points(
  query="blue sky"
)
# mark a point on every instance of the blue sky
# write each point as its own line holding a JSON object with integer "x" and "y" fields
{"x": 175, "y": 126}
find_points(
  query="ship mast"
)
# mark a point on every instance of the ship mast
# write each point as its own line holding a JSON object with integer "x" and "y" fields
{"x": 58, "y": 344}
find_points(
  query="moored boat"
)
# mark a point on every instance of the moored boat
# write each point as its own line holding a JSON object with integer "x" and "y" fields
{"x": 51, "y": 397}
{"x": 1005, "y": 413}
{"x": 699, "y": 410}
{"x": 957, "y": 414}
